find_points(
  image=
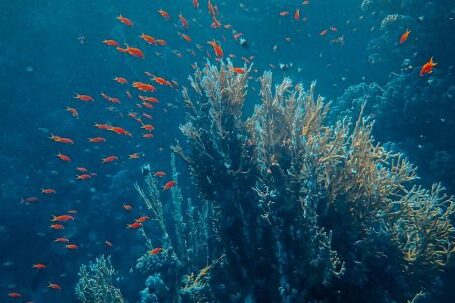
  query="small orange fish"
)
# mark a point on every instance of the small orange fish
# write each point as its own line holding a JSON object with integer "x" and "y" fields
{"x": 85, "y": 98}
{"x": 64, "y": 157}
{"x": 149, "y": 99}
{"x": 120, "y": 131}
{"x": 39, "y": 266}
{"x": 427, "y": 68}
{"x": 164, "y": 14}
{"x": 149, "y": 39}
{"x": 134, "y": 225}
{"x": 125, "y": 21}
{"x": 134, "y": 156}
{"x": 62, "y": 240}
{"x": 54, "y": 286}
{"x": 147, "y": 105}
{"x": 147, "y": 136}
{"x": 71, "y": 246}
{"x": 82, "y": 169}
{"x": 237, "y": 70}
{"x": 48, "y": 191}
{"x": 83, "y": 177}
{"x": 97, "y": 140}
{"x": 169, "y": 185}
{"x": 297, "y": 15}
{"x": 135, "y": 52}
{"x": 142, "y": 219}
{"x": 405, "y": 36}
{"x": 127, "y": 207}
{"x": 185, "y": 37}
{"x": 148, "y": 127}
{"x": 14, "y": 295}
{"x": 145, "y": 87}
{"x": 216, "y": 48}
{"x": 73, "y": 112}
{"x": 62, "y": 218}
{"x": 57, "y": 226}
{"x": 111, "y": 43}
{"x": 196, "y": 4}
{"x": 324, "y": 32}
{"x": 183, "y": 21}
{"x": 161, "y": 42}
{"x": 159, "y": 174}
{"x": 284, "y": 13}
{"x": 102, "y": 126}
{"x": 109, "y": 159}
{"x": 155, "y": 251}
{"x": 61, "y": 139}
{"x": 120, "y": 80}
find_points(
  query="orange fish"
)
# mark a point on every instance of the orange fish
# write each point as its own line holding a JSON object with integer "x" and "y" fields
{"x": 149, "y": 99}
{"x": 148, "y": 127}
{"x": 57, "y": 226}
{"x": 145, "y": 87}
{"x": 161, "y": 42}
{"x": 73, "y": 112}
{"x": 324, "y": 32}
{"x": 125, "y": 21}
{"x": 164, "y": 14}
{"x": 159, "y": 174}
{"x": 134, "y": 225}
{"x": 109, "y": 159}
{"x": 85, "y": 98}
{"x": 48, "y": 191}
{"x": 196, "y": 4}
{"x": 97, "y": 140}
{"x": 147, "y": 136}
{"x": 82, "y": 169}
{"x": 284, "y": 13}
{"x": 155, "y": 251}
{"x": 237, "y": 70}
{"x": 297, "y": 15}
{"x": 405, "y": 36}
{"x": 64, "y": 157}
{"x": 62, "y": 240}
{"x": 142, "y": 219}
{"x": 121, "y": 80}
{"x": 61, "y": 139}
{"x": 169, "y": 185}
{"x": 149, "y": 39}
{"x": 54, "y": 286}
{"x": 134, "y": 51}
{"x": 134, "y": 156}
{"x": 111, "y": 42}
{"x": 147, "y": 105}
{"x": 62, "y": 218}
{"x": 147, "y": 116}
{"x": 83, "y": 177}
{"x": 185, "y": 37}
{"x": 120, "y": 131}
{"x": 14, "y": 295}
{"x": 71, "y": 246}
{"x": 102, "y": 126}
{"x": 39, "y": 266}
{"x": 183, "y": 21}
{"x": 427, "y": 68}
{"x": 127, "y": 207}
{"x": 216, "y": 48}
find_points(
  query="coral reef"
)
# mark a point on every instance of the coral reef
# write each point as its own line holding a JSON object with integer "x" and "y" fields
{"x": 306, "y": 210}
{"x": 95, "y": 283}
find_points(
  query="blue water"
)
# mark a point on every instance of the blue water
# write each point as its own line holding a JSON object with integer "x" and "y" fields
{"x": 50, "y": 50}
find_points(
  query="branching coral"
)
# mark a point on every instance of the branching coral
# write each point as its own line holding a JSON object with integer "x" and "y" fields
{"x": 95, "y": 283}
{"x": 320, "y": 204}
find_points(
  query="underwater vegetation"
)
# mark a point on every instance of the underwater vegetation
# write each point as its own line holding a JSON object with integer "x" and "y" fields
{"x": 289, "y": 207}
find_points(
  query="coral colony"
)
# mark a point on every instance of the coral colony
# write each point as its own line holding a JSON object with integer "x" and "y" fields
{"x": 289, "y": 207}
